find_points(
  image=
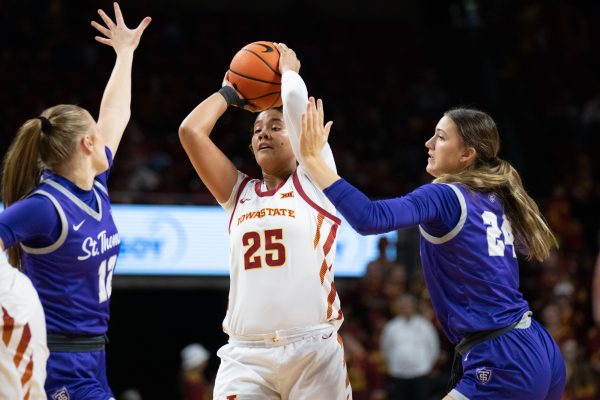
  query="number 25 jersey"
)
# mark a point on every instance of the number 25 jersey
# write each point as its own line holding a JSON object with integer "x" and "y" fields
{"x": 282, "y": 251}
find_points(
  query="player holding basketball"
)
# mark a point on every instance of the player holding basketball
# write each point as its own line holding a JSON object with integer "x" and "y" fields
{"x": 472, "y": 219}
{"x": 60, "y": 231}
{"x": 283, "y": 312}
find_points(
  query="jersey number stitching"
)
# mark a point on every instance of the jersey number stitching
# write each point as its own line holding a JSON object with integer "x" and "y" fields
{"x": 105, "y": 273}
{"x": 274, "y": 249}
{"x": 496, "y": 245}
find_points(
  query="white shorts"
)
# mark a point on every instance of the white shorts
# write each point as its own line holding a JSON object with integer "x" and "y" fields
{"x": 294, "y": 364}
{"x": 23, "y": 350}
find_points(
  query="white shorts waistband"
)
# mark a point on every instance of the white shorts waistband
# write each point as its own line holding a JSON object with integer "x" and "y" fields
{"x": 280, "y": 337}
{"x": 525, "y": 321}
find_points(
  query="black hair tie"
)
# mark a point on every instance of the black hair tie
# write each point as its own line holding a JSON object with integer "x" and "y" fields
{"x": 46, "y": 125}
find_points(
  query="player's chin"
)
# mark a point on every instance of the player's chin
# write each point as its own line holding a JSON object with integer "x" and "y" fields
{"x": 431, "y": 170}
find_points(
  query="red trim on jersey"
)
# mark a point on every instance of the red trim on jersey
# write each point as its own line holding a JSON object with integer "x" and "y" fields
{"x": 260, "y": 193}
{"x": 9, "y": 325}
{"x": 27, "y": 374}
{"x": 237, "y": 197}
{"x": 323, "y": 271}
{"x": 330, "y": 239}
{"x": 330, "y": 299}
{"x": 320, "y": 219}
{"x": 311, "y": 203}
{"x": 23, "y": 344}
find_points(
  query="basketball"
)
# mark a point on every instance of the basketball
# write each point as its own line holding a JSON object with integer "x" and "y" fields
{"x": 254, "y": 72}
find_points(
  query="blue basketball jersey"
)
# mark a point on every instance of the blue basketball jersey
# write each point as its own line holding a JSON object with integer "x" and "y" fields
{"x": 73, "y": 275}
{"x": 472, "y": 271}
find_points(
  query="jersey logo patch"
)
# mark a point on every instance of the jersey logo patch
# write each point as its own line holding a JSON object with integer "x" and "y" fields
{"x": 484, "y": 375}
{"x": 76, "y": 227}
{"x": 232, "y": 397}
{"x": 242, "y": 201}
{"x": 287, "y": 194}
{"x": 61, "y": 394}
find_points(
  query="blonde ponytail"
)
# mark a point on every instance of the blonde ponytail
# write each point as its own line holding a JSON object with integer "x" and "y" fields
{"x": 531, "y": 231}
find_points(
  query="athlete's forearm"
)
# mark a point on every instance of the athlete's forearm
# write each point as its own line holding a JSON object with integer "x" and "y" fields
{"x": 369, "y": 217}
{"x": 115, "y": 108}
{"x": 320, "y": 172}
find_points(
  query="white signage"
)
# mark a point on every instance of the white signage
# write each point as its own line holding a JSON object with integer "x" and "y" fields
{"x": 193, "y": 240}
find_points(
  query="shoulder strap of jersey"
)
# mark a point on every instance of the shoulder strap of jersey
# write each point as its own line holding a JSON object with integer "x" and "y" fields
{"x": 237, "y": 197}
{"x": 302, "y": 193}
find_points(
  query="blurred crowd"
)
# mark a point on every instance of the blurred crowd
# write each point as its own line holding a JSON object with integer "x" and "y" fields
{"x": 386, "y": 73}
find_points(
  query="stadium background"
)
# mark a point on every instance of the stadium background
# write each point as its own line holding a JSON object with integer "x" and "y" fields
{"x": 386, "y": 71}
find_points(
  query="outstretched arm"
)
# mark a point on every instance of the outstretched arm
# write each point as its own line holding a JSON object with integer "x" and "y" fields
{"x": 116, "y": 101}
{"x": 428, "y": 204}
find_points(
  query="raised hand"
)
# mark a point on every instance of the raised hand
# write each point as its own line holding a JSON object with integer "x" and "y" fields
{"x": 287, "y": 58}
{"x": 118, "y": 35}
{"x": 314, "y": 132}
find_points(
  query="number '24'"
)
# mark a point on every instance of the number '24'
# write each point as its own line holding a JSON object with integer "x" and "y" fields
{"x": 496, "y": 245}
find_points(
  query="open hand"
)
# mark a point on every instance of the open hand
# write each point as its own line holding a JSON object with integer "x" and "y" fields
{"x": 314, "y": 132}
{"x": 117, "y": 35}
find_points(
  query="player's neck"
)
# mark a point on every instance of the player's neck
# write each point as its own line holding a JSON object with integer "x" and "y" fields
{"x": 272, "y": 181}
{"x": 78, "y": 172}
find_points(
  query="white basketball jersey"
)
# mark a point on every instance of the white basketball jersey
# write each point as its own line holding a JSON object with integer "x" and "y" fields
{"x": 282, "y": 248}
{"x": 23, "y": 350}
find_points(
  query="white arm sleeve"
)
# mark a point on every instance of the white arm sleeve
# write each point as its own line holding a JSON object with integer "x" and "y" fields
{"x": 295, "y": 97}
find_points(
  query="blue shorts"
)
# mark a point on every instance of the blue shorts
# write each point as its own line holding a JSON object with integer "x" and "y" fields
{"x": 521, "y": 364}
{"x": 74, "y": 376}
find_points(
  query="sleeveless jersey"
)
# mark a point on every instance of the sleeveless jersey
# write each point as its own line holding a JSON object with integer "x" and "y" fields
{"x": 472, "y": 272}
{"x": 73, "y": 275}
{"x": 23, "y": 350}
{"x": 282, "y": 247}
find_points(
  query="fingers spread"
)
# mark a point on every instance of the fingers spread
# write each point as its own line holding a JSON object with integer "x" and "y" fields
{"x": 144, "y": 24}
{"x": 105, "y": 41}
{"x": 109, "y": 23}
{"x": 118, "y": 14}
{"x": 102, "y": 29}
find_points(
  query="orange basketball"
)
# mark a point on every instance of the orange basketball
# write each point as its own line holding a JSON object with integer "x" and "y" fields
{"x": 254, "y": 72}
